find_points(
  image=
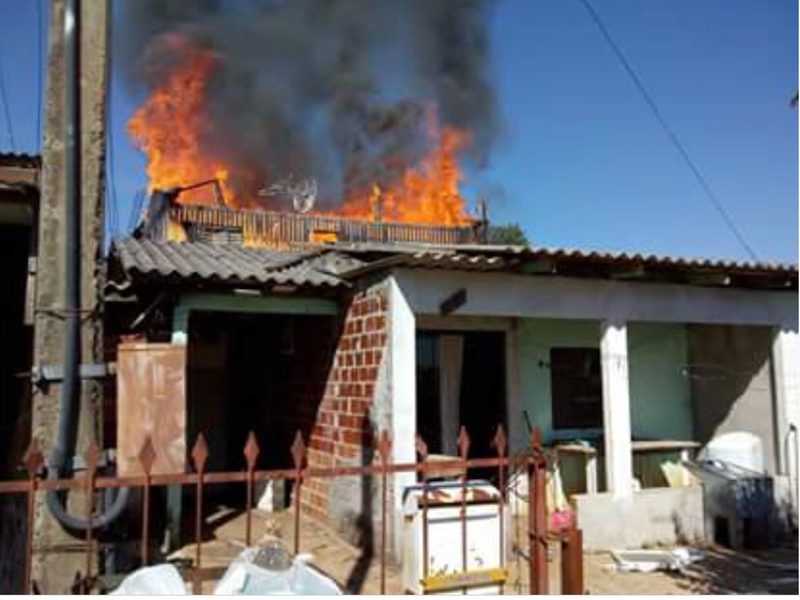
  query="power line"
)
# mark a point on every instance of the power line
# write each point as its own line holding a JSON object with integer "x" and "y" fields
{"x": 669, "y": 131}
{"x": 6, "y": 110}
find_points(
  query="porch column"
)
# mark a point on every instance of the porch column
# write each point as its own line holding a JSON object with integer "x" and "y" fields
{"x": 403, "y": 386}
{"x": 616, "y": 407}
{"x": 786, "y": 381}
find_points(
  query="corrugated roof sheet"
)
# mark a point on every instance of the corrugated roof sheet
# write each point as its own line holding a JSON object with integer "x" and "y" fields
{"x": 218, "y": 263}
{"x": 338, "y": 264}
{"x": 469, "y": 261}
{"x": 657, "y": 260}
{"x": 475, "y": 255}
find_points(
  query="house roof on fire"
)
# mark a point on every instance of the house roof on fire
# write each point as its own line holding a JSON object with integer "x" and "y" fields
{"x": 133, "y": 261}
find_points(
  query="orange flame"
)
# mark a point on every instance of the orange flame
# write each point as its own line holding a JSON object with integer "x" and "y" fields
{"x": 428, "y": 193}
{"x": 169, "y": 126}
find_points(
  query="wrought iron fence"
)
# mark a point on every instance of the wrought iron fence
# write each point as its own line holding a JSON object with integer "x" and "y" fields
{"x": 534, "y": 461}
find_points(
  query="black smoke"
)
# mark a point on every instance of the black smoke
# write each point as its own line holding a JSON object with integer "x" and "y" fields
{"x": 339, "y": 90}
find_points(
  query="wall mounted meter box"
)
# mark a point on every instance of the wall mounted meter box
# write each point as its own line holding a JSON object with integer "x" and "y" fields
{"x": 484, "y": 571}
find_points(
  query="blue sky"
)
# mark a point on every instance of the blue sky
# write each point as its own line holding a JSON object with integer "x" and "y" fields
{"x": 582, "y": 162}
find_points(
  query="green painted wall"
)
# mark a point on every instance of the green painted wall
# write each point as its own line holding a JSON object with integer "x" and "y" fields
{"x": 244, "y": 304}
{"x": 536, "y": 337}
{"x": 660, "y": 394}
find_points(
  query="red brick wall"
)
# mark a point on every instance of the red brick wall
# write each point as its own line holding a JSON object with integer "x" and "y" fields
{"x": 306, "y": 374}
{"x": 342, "y": 428}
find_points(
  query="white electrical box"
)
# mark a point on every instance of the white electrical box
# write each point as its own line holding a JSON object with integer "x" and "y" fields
{"x": 484, "y": 571}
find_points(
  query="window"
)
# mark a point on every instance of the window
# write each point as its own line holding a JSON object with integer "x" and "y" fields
{"x": 576, "y": 388}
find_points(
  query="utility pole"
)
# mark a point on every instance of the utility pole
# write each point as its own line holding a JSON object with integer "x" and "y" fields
{"x": 55, "y": 563}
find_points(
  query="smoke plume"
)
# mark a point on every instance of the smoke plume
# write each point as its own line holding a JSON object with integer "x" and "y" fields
{"x": 338, "y": 90}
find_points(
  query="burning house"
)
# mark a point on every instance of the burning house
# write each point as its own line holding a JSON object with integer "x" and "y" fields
{"x": 308, "y": 262}
{"x": 309, "y": 270}
{"x": 649, "y": 360}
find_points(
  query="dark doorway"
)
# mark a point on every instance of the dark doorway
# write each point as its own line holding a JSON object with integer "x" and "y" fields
{"x": 16, "y": 348}
{"x": 259, "y": 373}
{"x": 475, "y": 364}
{"x": 15, "y": 426}
{"x": 483, "y": 388}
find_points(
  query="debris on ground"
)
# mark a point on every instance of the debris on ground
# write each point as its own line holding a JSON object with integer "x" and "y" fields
{"x": 160, "y": 580}
{"x": 647, "y": 561}
{"x": 256, "y": 572}
{"x": 268, "y": 570}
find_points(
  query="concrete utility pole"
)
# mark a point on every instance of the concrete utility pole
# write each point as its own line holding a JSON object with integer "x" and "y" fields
{"x": 55, "y": 559}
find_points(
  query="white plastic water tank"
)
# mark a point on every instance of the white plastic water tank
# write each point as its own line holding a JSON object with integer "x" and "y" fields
{"x": 741, "y": 448}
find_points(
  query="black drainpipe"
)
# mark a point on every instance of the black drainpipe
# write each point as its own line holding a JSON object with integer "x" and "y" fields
{"x": 71, "y": 385}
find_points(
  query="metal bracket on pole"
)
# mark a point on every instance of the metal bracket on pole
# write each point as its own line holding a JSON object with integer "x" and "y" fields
{"x": 41, "y": 375}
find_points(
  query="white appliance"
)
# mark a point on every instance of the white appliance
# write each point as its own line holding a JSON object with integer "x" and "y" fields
{"x": 740, "y": 448}
{"x": 484, "y": 572}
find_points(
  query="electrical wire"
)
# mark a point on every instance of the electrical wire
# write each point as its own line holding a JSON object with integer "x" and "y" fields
{"x": 6, "y": 109}
{"x": 648, "y": 98}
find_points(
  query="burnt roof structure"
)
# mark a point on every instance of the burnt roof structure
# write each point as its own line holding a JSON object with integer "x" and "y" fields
{"x": 166, "y": 218}
{"x": 215, "y": 246}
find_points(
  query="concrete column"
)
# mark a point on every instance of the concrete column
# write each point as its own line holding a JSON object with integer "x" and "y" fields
{"x": 786, "y": 383}
{"x": 55, "y": 569}
{"x": 616, "y": 408}
{"x": 403, "y": 385}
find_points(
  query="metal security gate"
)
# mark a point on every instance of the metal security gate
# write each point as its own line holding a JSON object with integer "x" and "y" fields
{"x": 533, "y": 461}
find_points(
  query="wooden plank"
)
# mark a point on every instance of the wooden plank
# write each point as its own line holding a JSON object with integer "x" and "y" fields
{"x": 466, "y": 579}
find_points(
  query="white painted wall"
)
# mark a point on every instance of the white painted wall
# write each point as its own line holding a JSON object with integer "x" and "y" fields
{"x": 403, "y": 393}
{"x": 786, "y": 382}
{"x": 508, "y": 295}
{"x": 786, "y": 373}
{"x": 667, "y": 516}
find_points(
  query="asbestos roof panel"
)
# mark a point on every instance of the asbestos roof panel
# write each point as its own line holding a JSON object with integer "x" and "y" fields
{"x": 338, "y": 264}
{"x": 576, "y": 263}
{"x": 459, "y": 254}
{"x": 653, "y": 259}
{"x": 497, "y": 256}
{"x": 220, "y": 263}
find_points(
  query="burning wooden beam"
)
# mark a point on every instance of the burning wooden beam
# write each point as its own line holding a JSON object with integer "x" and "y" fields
{"x": 169, "y": 220}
